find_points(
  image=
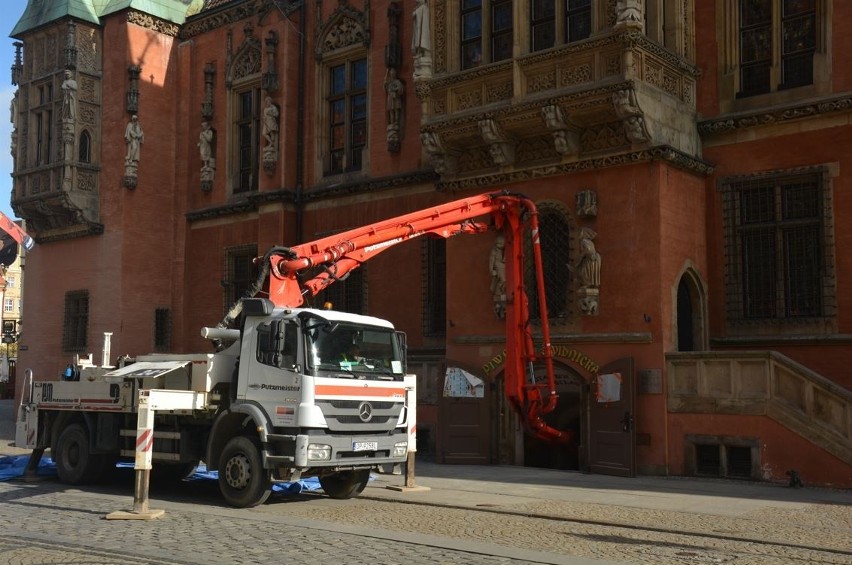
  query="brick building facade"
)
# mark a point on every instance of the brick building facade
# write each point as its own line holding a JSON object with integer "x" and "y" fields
{"x": 702, "y": 166}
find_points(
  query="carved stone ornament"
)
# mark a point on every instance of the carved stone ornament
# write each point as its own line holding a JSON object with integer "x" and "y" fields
{"x": 246, "y": 61}
{"x": 565, "y": 140}
{"x": 500, "y": 147}
{"x": 442, "y": 160}
{"x": 587, "y": 204}
{"x": 346, "y": 26}
{"x": 627, "y": 108}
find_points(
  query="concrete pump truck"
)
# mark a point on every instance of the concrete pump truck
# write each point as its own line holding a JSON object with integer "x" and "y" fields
{"x": 290, "y": 392}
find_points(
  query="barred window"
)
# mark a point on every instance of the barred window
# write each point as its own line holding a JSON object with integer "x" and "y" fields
{"x": 75, "y": 337}
{"x": 348, "y": 294}
{"x": 555, "y": 232}
{"x": 434, "y": 286}
{"x": 240, "y": 273}
{"x": 162, "y": 329}
{"x": 778, "y": 239}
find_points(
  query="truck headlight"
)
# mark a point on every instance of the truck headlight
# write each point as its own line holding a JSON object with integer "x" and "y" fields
{"x": 400, "y": 448}
{"x": 319, "y": 452}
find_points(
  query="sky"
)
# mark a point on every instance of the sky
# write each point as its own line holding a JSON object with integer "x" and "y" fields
{"x": 14, "y": 9}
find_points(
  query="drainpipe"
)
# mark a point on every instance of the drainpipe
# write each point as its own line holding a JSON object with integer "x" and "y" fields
{"x": 300, "y": 125}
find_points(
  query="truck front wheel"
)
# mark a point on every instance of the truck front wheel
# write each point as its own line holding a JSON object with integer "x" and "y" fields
{"x": 345, "y": 484}
{"x": 75, "y": 465}
{"x": 242, "y": 479}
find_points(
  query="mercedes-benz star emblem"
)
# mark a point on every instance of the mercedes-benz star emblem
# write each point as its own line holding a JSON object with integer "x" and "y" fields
{"x": 365, "y": 411}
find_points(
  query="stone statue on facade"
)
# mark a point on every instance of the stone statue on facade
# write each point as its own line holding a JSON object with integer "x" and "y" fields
{"x": 588, "y": 273}
{"x": 395, "y": 90}
{"x": 421, "y": 40}
{"x": 208, "y": 162}
{"x": 270, "y": 133}
{"x": 133, "y": 137}
{"x": 69, "y": 97}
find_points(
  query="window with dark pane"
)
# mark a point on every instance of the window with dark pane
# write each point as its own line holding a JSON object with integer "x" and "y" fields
{"x": 777, "y": 253}
{"x": 434, "y": 286}
{"x": 471, "y": 33}
{"x": 501, "y": 30}
{"x": 738, "y": 461}
{"x": 248, "y": 140}
{"x": 708, "y": 460}
{"x": 348, "y": 294}
{"x": 241, "y": 273}
{"x": 75, "y": 337}
{"x": 578, "y": 20}
{"x": 84, "y": 151}
{"x": 798, "y": 42}
{"x": 162, "y": 329}
{"x": 755, "y": 46}
{"x": 347, "y": 123}
{"x": 44, "y": 125}
{"x": 543, "y": 24}
{"x": 555, "y": 241}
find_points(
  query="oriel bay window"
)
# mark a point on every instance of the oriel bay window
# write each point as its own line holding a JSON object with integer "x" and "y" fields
{"x": 553, "y": 23}
{"x": 347, "y": 111}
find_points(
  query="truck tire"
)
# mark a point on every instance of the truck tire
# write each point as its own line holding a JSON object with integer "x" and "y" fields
{"x": 345, "y": 484}
{"x": 75, "y": 465}
{"x": 242, "y": 479}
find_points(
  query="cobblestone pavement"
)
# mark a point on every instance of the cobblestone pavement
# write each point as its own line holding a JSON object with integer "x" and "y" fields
{"x": 47, "y": 523}
{"x": 50, "y": 523}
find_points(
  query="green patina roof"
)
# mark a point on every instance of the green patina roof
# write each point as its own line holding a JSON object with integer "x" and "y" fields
{"x": 43, "y": 12}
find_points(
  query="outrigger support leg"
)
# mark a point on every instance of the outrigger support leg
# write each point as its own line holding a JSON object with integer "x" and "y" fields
{"x": 30, "y": 472}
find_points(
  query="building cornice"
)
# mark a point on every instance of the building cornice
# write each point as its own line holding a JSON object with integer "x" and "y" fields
{"x": 254, "y": 201}
{"x": 229, "y": 14}
{"x": 777, "y": 115}
{"x": 153, "y": 23}
{"x": 664, "y": 153}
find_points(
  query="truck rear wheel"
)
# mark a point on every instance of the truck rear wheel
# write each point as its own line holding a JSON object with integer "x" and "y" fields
{"x": 75, "y": 465}
{"x": 345, "y": 484}
{"x": 242, "y": 479}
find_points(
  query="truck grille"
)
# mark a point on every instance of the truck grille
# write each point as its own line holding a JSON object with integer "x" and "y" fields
{"x": 352, "y": 415}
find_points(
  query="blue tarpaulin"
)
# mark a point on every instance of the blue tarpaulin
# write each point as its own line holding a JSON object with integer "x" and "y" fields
{"x": 13, "y": 466}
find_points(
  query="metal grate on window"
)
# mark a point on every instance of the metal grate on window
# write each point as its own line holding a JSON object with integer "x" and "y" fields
{"x": 434, "y": 287}
{"x": 75, "y": 337}
{"x": 739, "y": 461}
{"x": 554, "y": 232}
{"x": 348, "y": 294}
{"x": 162, "y": 329}
{"x": 708, "y": 460}
{"x": 779, "y": 247}
{"x": 240, "y": 273}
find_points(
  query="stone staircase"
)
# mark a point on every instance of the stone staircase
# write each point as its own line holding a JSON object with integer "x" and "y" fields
{"x": 763, "y": 383}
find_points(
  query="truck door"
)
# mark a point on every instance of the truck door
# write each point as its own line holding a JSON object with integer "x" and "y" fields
{"x": 612, "y": 439}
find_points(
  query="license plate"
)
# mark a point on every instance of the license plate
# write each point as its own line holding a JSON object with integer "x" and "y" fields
{"x": 365, "y": 445}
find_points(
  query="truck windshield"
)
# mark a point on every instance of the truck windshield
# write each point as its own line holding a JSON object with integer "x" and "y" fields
{"x": 354, "y": 351}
